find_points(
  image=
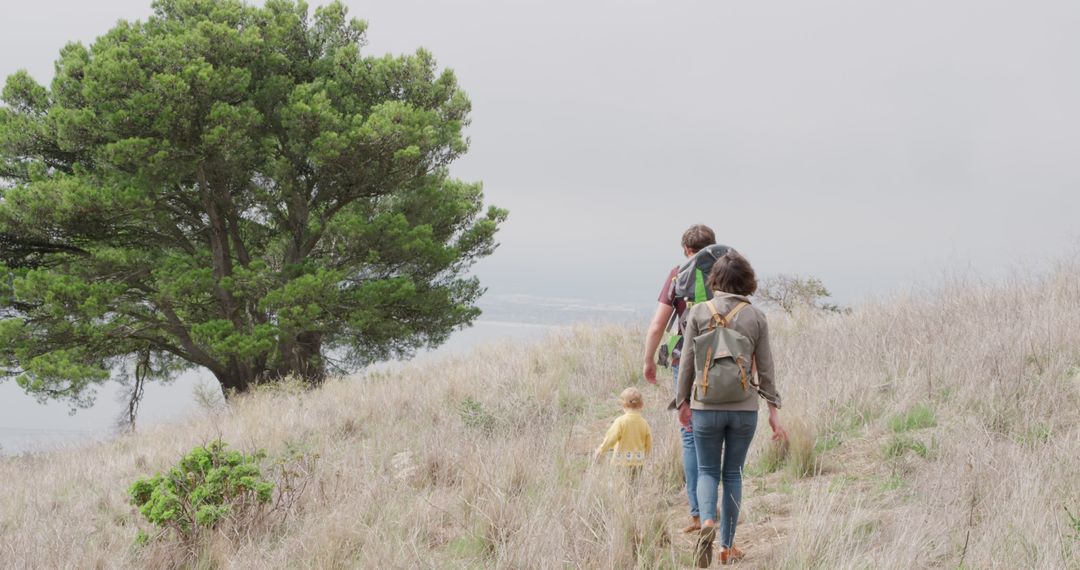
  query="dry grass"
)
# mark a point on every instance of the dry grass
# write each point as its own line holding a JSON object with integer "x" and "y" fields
{"x": 936, "y": 430}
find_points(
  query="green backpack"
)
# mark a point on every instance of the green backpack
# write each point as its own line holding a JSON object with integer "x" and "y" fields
{"x": 688, "y": 285}
{"x": 723, "y": 361}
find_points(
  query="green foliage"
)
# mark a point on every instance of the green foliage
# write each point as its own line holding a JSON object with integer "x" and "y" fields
{"x": 919, "y": 417}
{"x": 1037, "y": 434}
{"x": 209, "y": 484}
{"x": 475, "y": 416}
{"x": 142, "y": 538}
{"x": 234, "y": 187}
{"x": 898, "y": 445}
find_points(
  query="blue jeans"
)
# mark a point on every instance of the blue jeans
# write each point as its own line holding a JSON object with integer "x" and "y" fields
{"x": 722, "y": 440}
{"x": 689, "y": 458}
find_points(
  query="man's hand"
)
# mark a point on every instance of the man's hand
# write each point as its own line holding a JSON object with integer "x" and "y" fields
{"x": 652, "y": 339}
{"x": 684, "y": 416}
{"x": 649, "y": 371}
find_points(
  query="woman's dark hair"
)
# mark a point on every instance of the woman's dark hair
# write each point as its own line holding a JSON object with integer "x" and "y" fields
{"x": 732, "y": 274}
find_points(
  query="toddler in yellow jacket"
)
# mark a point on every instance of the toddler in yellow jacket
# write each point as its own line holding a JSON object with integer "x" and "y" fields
{"x": 629, "y": 435}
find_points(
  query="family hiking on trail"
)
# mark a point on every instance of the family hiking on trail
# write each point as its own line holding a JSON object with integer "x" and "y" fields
{"x": 718, "y": 350}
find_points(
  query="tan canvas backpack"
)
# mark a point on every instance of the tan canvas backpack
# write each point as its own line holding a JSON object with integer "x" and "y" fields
{"x": 723, "y": 361}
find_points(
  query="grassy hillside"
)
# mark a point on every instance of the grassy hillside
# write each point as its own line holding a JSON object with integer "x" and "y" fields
{"x": 938, "y": 430}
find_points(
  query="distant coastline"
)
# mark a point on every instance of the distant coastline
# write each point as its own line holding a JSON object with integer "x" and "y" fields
{"x": 30, "y": 427}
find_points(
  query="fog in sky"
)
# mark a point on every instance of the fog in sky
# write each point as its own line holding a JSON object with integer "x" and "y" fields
{"x": 873, "y": 144}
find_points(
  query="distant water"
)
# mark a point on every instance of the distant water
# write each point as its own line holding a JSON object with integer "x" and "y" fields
{"x": 29, "y": 426}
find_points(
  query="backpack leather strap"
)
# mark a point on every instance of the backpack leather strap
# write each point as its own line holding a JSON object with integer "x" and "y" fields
{"x": 735, "y": 311}
{"x": 705, "y": 375}
{"x": 725, "y": 320}
{"x": 717, "y": 318}
{"x": 741, "y": 362}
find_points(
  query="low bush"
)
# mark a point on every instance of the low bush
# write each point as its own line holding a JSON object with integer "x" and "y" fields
{"x": 209, "y": 485}
{"x": 475, "y": 416}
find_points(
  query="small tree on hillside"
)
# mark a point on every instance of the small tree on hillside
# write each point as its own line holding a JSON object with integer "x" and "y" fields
{"x": 233, "y": 187}
{"x": 791, "y": 291}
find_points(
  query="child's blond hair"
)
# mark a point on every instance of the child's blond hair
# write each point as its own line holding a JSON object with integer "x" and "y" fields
{"x": 631, "y": 398}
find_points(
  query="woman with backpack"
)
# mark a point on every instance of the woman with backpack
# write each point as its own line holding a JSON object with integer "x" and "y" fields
{"x": 727, "y": 341}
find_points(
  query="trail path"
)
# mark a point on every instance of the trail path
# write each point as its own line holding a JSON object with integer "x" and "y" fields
{"x": 772, "y": 501}
{"x": 764, "y": 522}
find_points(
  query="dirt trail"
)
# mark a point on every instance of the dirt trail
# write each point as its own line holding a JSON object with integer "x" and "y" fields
{"x": 764, "y": 522}
{"x": 772, "y": 500}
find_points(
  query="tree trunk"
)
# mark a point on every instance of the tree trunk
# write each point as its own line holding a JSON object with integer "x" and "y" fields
{"x": 309, "y": 360}
{"x": 233, "y": 381}
{"x": 302, "y": 357}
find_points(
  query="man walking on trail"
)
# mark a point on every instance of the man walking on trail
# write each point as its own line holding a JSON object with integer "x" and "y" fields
{"x": 694, "y": 239}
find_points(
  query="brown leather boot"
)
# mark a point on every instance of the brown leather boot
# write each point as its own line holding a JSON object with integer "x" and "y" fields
{"x": 694, "y": 526}
{"x": 730, "y": 555}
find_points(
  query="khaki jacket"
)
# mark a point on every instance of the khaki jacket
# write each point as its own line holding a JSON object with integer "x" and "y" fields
{"x": 751, "y": 323}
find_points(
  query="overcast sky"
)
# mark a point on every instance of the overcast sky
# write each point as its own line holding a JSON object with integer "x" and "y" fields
{"x": 873, "y": 144}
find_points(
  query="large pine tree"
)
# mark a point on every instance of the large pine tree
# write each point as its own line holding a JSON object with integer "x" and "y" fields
{"x": 233, "y": 187}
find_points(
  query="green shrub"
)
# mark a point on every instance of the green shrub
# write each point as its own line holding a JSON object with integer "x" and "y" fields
{"x": 141, "y": 538}
{"x": 475, "y": 416}
{"x": 919, "y": 417}
{"x": 209, "y": 484}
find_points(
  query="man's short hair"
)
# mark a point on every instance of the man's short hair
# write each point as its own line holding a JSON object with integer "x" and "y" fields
{"x": 697, "y": 237}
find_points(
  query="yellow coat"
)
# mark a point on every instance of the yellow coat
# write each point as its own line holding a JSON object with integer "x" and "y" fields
{"x": 631, "y": 438}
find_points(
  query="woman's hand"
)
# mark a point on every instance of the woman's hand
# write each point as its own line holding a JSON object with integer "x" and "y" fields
{"x": 684, "y": 416}
{"x": 778, "y": 432}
